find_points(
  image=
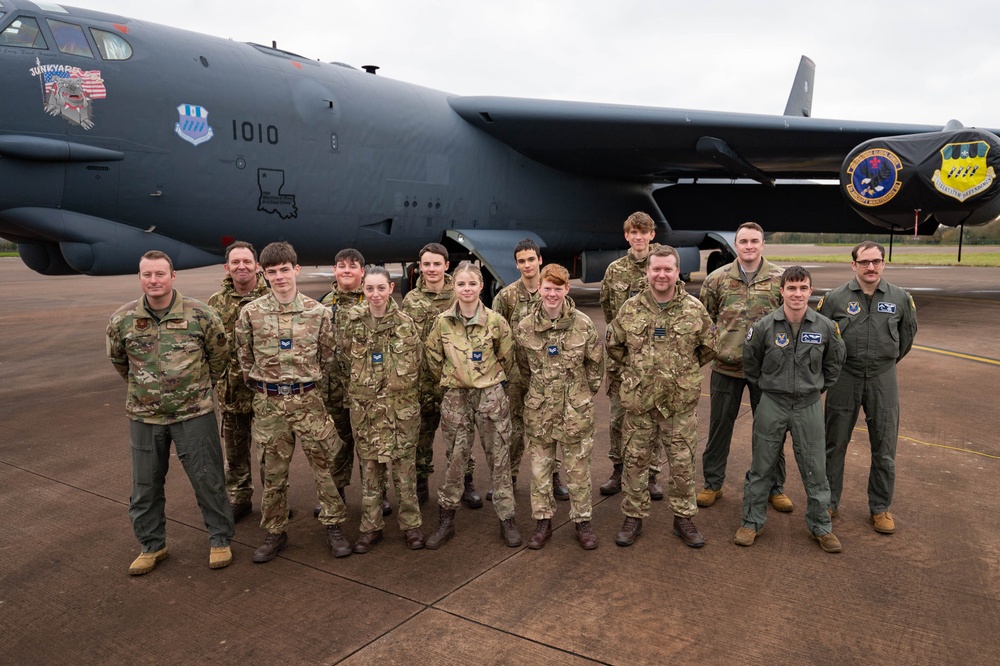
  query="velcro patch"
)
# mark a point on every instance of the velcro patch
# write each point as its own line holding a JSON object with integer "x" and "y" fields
{"x": 177, "y": 325}
{"x": 553, "y": 350}
{"x": 285, "y": 344}
{"x": 887, "y": 307}
{"x": 811, "y": 338}
{"x": 477, "y": 356}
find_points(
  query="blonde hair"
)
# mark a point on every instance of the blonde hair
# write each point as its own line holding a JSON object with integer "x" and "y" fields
{"x": 469, "y": 267}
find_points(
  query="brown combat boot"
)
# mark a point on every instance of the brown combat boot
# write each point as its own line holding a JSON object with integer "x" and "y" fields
{"x": 366, "y": 541}
{"x": 613, "y": 486}
{"x": 445, "y": 530}
{"x": 585, "y": 535}
{"x": 559, "y": 491}
{"x": 240, "y": 509}
{"x": 508, "y": 530}
{"x": 273, "y": 544}
{"x": 631, "y": 528}
{"x": 542, "y": 533}
{"x": 685, "y": 529}
{"x": 414, "y": 538}
{"x": 470, "y": 497}
{"x": 655, "y": 489}
{"x": 339, "y": 545}
{"x": 423, "y": 492}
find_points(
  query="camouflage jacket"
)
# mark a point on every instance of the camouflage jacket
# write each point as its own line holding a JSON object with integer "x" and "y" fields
{"x": 562, "y": 362}
{"x": 878, "y": 332}
{"x": 233, "y": 393}
{"x": 477, "y": 354}
{"x": 734, "y": 306}
{"x": 424, "y": 306}
{"x": 170, "y": 365}
{"x": 384, "y": 360}
{"x": 660, "y": 351}
{"x": 286, "y": 344}
{"x": 340, "y": 303}
{"x": 624, "y": 278}
{"x": 514, "y": 302}
{"x": 793, "y": 369}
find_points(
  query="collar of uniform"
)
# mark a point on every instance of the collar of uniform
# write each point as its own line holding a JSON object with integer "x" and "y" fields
{"x": 854, "y": 285}
{"x": 355, "y": 295}
{"x": 643, "y": 262}
{"x": 446, "y": 290}
{"x": 810, "y": 315}
{"x": 260, "y": 289}
{"x": 296, "y": 305}
{"x": 542, "y": 321}
{"x": 522, "y": 291}
{"x": 455, "y": 313}
{"x": 176, "y": 310}
{"x": 365, "y": 314}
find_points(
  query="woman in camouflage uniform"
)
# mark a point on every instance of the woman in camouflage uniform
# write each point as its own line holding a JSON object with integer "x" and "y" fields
{"x": 383, "y": 355}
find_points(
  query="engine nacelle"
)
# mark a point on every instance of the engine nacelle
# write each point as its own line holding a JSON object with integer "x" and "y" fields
{"x": 948, "y": 176}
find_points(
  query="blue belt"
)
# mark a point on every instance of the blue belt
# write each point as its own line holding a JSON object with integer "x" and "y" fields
{"x": 285, "y": 389}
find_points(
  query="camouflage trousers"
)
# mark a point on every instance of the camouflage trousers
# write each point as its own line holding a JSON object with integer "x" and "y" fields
{"x": 278, "y": 422}
{"x": 373, "y": 483}
{"x": 680, "y": 434}
{"x": 343, "y": 461}
{"x": 576, "y": 464}
{"x": 430, "y": 419}
{"x": 616, "y": 451}
{"x": 515, "y": 397}
{"x": 463, "y": 411}
{"x": 236, "y": 443}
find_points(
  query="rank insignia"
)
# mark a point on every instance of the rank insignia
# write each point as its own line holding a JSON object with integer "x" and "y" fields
{"x": 376, "y": 357}
{"x": 286, "y": 344}
{"x": 810, "y": 338}
{"x": 477, "y": 356}
{"x": 887, "y": 307}
{"x": 141, "y": 324}
{"x": 781, "y": 339}
{"x": 553, "y": 350}
{"x": 660, "y": 334}
{"x": 853, "y": 308}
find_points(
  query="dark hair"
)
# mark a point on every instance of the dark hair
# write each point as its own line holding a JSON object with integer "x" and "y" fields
{"x": 866, "y": 245}
{"x": 527, "y": 244}
{"x": 796, "y": 274}
{"x": 372, "y": 270}
{"x": 240, "y": 245}
{"x": 639, "y": 221}
{"x": 276, "y": 254}
{"x": 349, "y": 254}
{"x": 156, "y": 254}
{"x": 750, "y": 225}
{"x": 667, "y": 251}
{"x": 555, "y": 274}
{"x": 435, "y": 248}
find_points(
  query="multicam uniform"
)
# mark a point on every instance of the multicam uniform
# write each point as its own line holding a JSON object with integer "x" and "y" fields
{"x": 562, "y": 363}
{"x": 235, "y": 397}
{"x": 623, "y": 279}
{"x": 340, "y": 304}
{"x": 513, "y": 303}
{"x": 424, "y": 306}
{"x": 660, "y": 349}
{"x": 287, "y": 351}
{"x": 383, "y": 359}
{"x": 735, "y": 303}
{"x": 170, "y": 364}
{"x": 878, "y": 332}
{"x": 469, "y": 360}
{"x": 793, "y": 366}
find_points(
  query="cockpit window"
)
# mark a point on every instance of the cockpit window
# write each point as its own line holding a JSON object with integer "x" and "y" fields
{"x": 23, "y": 32}
{"x": 70, "y": 38}
{"x": 111, "y": 46}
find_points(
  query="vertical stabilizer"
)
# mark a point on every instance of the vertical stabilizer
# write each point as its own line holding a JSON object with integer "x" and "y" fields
{"x": 800, "y": 100}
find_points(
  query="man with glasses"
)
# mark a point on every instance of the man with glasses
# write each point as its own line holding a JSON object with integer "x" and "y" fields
{"x": 878, "y": 322}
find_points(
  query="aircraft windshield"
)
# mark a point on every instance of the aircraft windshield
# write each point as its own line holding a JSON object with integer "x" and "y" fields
{"x": 24, "y": 33}
{"x": 70, "y": 38}
{"x": 111, "y": 46}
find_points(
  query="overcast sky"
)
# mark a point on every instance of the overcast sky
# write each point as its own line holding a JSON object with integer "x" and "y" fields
{"x": 894, "y": 61}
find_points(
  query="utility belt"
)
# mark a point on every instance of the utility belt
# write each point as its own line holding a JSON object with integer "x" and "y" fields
{"x": 284, "y": 389}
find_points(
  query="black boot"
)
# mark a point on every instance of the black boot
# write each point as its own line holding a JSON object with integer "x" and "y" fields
{"x": 423, "y": 492}
{"x": 559, "y": 491}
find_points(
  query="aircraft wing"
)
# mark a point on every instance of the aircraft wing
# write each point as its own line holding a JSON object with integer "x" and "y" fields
{"x": 656, "y": 145}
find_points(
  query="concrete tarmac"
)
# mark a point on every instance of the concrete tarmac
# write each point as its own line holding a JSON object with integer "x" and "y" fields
{"x": 929, "y": 594}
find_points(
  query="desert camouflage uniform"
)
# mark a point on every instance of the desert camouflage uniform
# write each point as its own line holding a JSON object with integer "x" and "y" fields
{"x": 562, "y": 363}
{"x": 513, "y": 303}
{"x": 235, "y": 397}
{"x": 470, "y": 360}
{"x": 340, "y": 304}
{"x": 383, "y": 360}
{"x": 623, "y": 279}
{"x": 170, "y": 365}
{"x": 424, "y": 306}
{"x": 290, "y": 344}
{"x": 735, "y": 304}
{"x": 660, "y": 350}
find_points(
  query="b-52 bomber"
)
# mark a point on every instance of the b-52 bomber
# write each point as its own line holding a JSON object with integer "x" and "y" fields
{"x": 118, "y": 136}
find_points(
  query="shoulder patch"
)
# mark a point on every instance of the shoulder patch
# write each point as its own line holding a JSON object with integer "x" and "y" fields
{"x": 819, "y": 306}
{"x": 749, "y": 333}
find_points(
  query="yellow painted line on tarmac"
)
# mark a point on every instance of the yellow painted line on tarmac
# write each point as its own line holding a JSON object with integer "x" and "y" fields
{"x": 967, "y": 357}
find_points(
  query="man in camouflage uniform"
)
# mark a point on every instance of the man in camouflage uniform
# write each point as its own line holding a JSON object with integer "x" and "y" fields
{"x": 562, "y": 362}
{"x": 793, "y": 354}
{"x": 432, "y": 295}
{"x": 243, "y": 283}
{"x": 625, "y": 278}
{"x": 286, "y": 351}
{"x": 737, "y": 295}
{"x": 878, "y": 321}
{"x": 170, "y": 350}
{"x": 513, "y": 303}
{"x": 470, "y": 353}
{"x": 659, "y": 341}
{"x": 383, "y": 355}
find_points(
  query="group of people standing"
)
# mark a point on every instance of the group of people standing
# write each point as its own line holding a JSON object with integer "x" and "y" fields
{"x": 357, "y": 373}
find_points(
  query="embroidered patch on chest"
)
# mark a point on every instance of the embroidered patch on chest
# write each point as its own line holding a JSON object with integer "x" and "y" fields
{"x": 660, "y": 334}
{"x": 853, "y": 308}
{"x": 477, "y": 356}
{"x": 553, "y": 350}
{"x": 376, "y": 357}
{"x": 887, "y": 307}
{"x": 811, "y": 338}
{"x": 177, "y": 325}
{"x": 781, "y": 339}
{"x": 285, "y": 344}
